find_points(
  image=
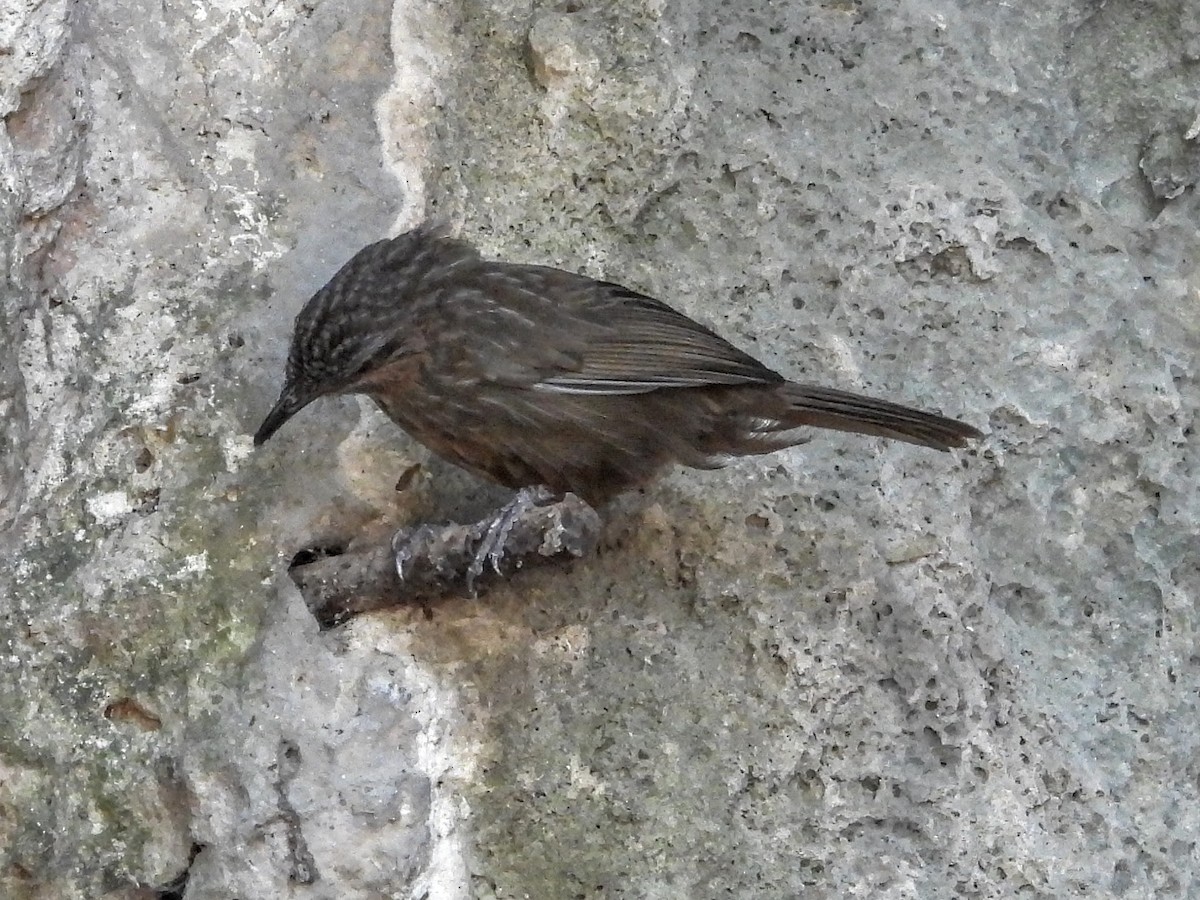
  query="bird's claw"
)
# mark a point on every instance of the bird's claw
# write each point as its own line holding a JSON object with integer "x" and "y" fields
{"x": 406, "y": 544}
{"x": 484, "y": 543}
{"x": 491, "y": 547}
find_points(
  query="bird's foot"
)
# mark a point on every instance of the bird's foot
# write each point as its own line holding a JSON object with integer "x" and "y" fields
{"x": 535, "y": 526}
{"x": 494, "y": 532}
{"x": 417, "y": 544}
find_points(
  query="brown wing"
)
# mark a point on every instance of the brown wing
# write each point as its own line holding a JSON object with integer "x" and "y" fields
{"x": 554, "y": 331}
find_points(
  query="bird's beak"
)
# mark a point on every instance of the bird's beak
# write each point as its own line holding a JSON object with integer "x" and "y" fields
{"x": 289, "y": 403}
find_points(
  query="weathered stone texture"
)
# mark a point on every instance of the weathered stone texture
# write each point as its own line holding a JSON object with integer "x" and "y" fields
{"x": 850, "y": 669}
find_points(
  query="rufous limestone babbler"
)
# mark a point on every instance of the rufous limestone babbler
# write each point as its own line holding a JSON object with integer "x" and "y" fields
{"x": 533, "y": 376}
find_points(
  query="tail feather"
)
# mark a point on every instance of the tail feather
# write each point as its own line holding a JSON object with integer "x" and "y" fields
{"x": 842, "y": 411}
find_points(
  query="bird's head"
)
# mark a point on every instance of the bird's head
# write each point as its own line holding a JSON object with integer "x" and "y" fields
{"x": 337, "y": 337}
{"x": 361, "y": 320}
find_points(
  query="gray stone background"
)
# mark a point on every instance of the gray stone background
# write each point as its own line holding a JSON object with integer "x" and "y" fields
{"x": 851, "y": 669}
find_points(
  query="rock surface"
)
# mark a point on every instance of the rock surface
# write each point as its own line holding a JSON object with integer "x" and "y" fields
{"x": 850, "y": 669}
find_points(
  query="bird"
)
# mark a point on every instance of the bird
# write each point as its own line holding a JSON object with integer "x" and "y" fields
{"x": 542, "y": 379}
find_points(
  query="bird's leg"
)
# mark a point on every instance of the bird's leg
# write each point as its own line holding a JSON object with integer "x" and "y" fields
{"x": 495, "y": 531}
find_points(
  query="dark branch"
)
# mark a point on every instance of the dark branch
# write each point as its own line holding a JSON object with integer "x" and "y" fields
{"x": 438, "y": 560}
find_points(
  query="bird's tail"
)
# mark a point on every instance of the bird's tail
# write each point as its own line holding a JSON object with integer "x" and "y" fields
{"x": 825, "y": 408}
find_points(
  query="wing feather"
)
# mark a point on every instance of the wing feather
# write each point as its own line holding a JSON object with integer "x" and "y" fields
{"x": 635, "y": 344}
{"x": 552, "y": 331}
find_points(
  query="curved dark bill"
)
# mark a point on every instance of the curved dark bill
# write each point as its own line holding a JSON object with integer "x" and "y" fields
{"x": 285, "y": 407}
